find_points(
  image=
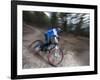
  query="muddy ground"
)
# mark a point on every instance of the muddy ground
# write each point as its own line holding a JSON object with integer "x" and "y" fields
{"x": 75, "y": 48}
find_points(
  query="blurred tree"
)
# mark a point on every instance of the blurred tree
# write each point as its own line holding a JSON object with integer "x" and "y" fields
{"x": 36, "y": 18}
{"x": 27, "y": 17}
{"x": 63, "y": 17}
{"x": 54, "y": 19}
{"x": 78, "y": 29}
{"x": 41, "y": 18}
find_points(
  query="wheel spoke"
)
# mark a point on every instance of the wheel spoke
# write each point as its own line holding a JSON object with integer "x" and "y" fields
{"x": 55, "y": 56}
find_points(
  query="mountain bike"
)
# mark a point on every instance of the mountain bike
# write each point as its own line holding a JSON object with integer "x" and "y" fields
{"x": 54, "y": 52}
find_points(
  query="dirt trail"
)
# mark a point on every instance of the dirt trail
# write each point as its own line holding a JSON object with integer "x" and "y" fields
{"x": 76, "y": 49}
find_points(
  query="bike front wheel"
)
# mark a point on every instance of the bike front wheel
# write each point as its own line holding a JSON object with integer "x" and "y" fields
{"x": 55, "y": 56}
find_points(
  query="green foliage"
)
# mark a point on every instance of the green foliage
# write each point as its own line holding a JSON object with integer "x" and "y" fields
{"x": 27, "y": 17}
{"x": 78, "y": 28}
{"x": 36, "y": 18}
{"x": 63, "y": 16}
{"x": 54, "y": 19}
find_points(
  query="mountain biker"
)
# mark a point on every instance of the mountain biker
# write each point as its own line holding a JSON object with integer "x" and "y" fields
{"x": 50, "y": 34}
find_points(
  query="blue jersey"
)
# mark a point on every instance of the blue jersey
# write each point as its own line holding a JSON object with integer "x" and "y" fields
{"x": 51, "y": 33}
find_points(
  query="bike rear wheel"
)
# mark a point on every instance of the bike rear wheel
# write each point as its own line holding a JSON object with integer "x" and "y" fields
{"x": 36, "y": 45}
{"x": 55, "y": 56}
